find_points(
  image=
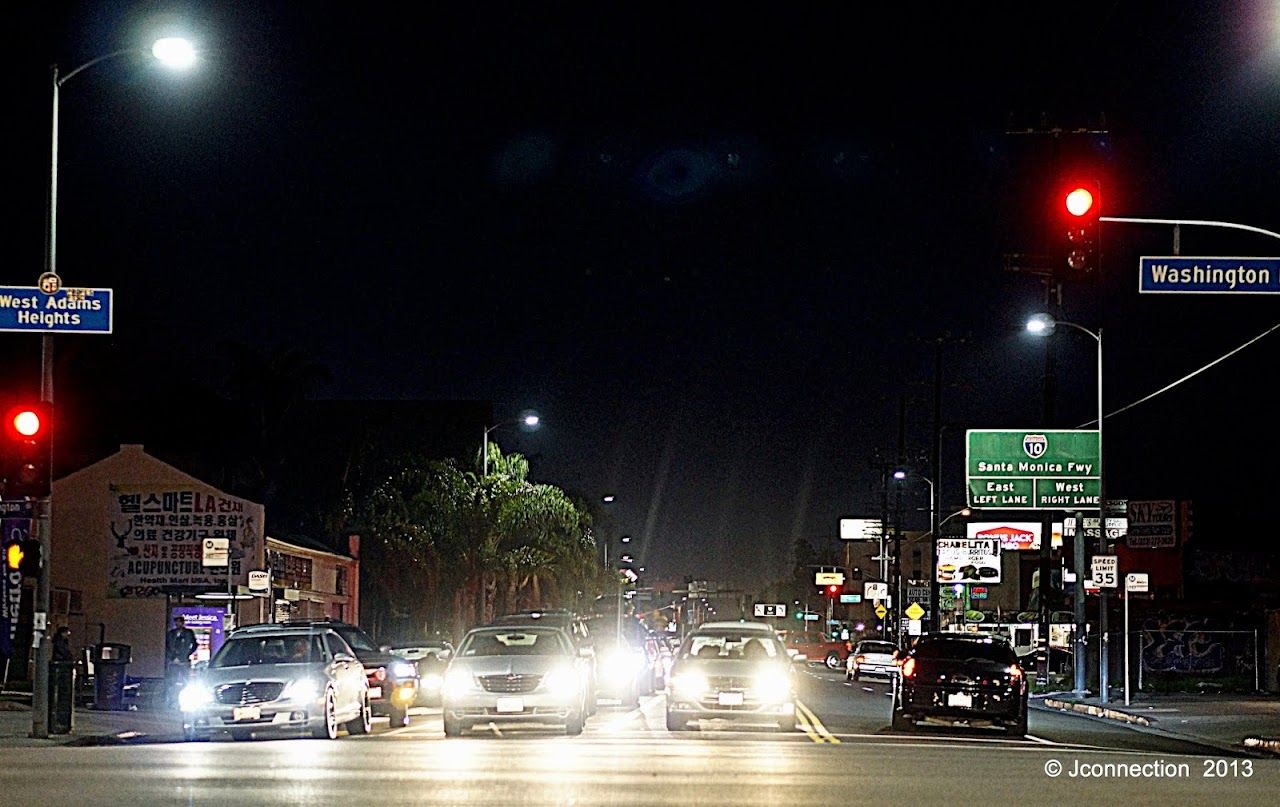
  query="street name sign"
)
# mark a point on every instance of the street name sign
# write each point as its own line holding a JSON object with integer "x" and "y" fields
{"x": 1191, "y": 275}
{"x": 1019, "y": 469}
{"x": 768, "y": 609}
{"x": 28, "y": 309}
{"x": 1104, "y": 569}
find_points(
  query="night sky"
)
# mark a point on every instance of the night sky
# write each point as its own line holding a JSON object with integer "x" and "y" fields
{"x": 713, "y": 247}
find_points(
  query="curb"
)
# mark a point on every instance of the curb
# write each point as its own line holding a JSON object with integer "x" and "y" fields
{"x": 1265, "y": 743}
{"x": 1096, "y": 711}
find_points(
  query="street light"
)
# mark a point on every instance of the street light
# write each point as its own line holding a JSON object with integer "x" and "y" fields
{"x": 175, "y": 52}
{"x": 900, "y": 474}
{"x": 1044, "y": 325}
{"x": 529, "y": 420}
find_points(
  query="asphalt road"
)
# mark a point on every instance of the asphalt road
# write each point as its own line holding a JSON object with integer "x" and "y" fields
{"x": 843, "y": 754}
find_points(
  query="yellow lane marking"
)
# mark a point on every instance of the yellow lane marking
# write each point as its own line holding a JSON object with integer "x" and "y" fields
{"x": 814, "y": 725}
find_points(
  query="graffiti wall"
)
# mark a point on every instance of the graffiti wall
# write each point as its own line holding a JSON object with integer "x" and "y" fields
{"x": 1181, "y": 645}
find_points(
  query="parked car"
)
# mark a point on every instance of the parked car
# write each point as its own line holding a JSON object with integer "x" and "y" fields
{"x": 735, "y": 671}
{"x": 872, "y": 657}
{"x": 961, "y": 677}
{"x": 278, "y": 678}
{"x": 429, "y": 659}
{"x": 514, "y": 674}
{"x": 393, "y": 682}
{"x": 818, "y": 647}
{"x": 578, "y": 632}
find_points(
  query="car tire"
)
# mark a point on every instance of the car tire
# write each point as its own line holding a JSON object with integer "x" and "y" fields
{"x": 901, "y": 721}
{"x": 833, "y": 660}
{"x": 399, "y": 717}
{"x": 787, "y": 723}
{"x": 1018, "y": 727}
{"x": 675, "y": 723}
{"x": 190, "y": 735}
{"x": 452, "y": 726}
{"x": 573, "y": 725}
{"x": 360, "y": 724}
{"x": 857, "y": 677}
{"x": 328, "y": 728}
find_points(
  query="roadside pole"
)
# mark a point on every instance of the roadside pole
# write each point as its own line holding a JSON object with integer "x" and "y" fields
{"x": 1126, "y": 645}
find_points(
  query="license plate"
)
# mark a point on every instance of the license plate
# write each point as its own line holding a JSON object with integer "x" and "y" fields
{"x": 375, "y": 692}
{"x": 961, "y": 699}
{"x": 730, "y": 699}
{"x": 246, "y": 713}
{"x": 508, "y": 705}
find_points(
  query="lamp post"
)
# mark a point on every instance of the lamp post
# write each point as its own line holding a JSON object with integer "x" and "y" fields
{"x": 1044, "y": 324}
{"x": 528, "y": 419}
{"x": 174, "y": 52}
{"x": 900, "y": 474}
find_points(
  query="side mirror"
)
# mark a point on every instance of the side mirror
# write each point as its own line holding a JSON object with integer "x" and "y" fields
{"x": 443, "y": 655}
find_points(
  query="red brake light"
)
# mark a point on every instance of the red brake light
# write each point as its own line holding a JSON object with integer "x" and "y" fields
{"x": 859, "y": 659}
{"x": 909, "y": 667}
{"x": 1015, "y": 672}
{"x": 379, "y": 674}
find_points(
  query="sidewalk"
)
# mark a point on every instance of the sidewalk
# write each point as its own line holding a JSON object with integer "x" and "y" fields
{"x": 90, "y": 726}
{"x": 1229, "y": 722}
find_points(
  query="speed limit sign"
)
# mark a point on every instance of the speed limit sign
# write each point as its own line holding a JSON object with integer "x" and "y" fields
{"x": 1105, "y": 569}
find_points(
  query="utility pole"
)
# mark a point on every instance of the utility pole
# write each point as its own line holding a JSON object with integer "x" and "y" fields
{"x": 935, "y": 462}
{"x": 897, "y": 524}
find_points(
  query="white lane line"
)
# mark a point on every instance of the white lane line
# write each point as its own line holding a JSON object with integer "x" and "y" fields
{"x": 1041, "y": 740}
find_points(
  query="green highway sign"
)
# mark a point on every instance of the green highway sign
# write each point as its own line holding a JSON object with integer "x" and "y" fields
{"x": 1023, "y": 469}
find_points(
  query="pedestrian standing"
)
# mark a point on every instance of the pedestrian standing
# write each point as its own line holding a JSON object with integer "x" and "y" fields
{"x": 179, "y": 645}
{"x": 62, "y": 645}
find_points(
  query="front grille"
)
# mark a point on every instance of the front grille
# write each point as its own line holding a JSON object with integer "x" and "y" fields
{"x": 245, "y": 692}
{"x": 510, "y": 683}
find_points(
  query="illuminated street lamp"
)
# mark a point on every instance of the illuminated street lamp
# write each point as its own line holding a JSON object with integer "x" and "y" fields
{"x": 174, "y": 52}
{"x": 1044, "y": 325}
{"x": 529, "y": 420}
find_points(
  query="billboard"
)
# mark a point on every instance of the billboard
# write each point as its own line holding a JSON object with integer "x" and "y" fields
{"x": 1012, "y": 535}
{"x": 1152, "y": 525}
{"x": 968, "y": 560}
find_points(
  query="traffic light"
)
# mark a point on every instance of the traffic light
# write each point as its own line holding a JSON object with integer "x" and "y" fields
{"x": 1079, "y": 206}
{"x": 832, "y": 591}
{"x": 27, "y": 429}
{"x": 24, "y": 557}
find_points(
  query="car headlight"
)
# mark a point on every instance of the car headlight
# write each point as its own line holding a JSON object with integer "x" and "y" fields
{"x": 403, "y": 669}
{"x": 457, "y": 682}
{"x": 689, "y": 685}
{"x": 773, "y": 685}
{"x": 561, "y": 682}
{"x": 194, "y": 696}
{"x": 301, "y": 689}
{"x": 432, "y": 682}
{"x": 622, "y": 665}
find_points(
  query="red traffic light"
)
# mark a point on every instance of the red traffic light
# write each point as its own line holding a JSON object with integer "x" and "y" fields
{"x": 833, "y": 591}
{"x": 27, "y": 422}
{"x": 1079, "y": 201}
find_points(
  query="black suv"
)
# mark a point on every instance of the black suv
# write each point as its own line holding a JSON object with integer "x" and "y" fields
{"x": 393, "y": 681}
{"x": 959, "y": 676}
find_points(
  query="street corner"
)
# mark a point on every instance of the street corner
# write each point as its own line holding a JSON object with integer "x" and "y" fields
{"x": 1094, "y": 710}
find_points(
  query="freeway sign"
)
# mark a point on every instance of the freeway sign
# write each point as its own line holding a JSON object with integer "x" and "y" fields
{"x": 28, "y": 309}
{"x": 1009, "y": 469}
{"x": 1183, "y": 275}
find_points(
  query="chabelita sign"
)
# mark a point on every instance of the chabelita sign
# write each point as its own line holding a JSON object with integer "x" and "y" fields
{"x": 1008, "y": 469}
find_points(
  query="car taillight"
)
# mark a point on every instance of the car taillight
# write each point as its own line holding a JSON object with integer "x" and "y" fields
{"x": 859, "y": 659}
{"x": 379, "y": 674}
{"x": 1015, "y": 672}
{"x": 909, "y": 668}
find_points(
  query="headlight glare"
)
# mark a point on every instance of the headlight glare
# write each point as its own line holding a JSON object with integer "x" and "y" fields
{"x": 193, "y": 696}
{"x": 457, "y": 682}
{"x": 689, "y": 685}
{"x": 561, "y": 683}
{"x": 301, "y": 689}
{"x": 403, "y": 669}
{"x": 773, "y": 685}
{"x": 432, "y": 681}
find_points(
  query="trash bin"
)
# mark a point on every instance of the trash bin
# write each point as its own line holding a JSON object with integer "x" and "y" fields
{"x": 62, "y": 693}
{"x": 110, "y": 660}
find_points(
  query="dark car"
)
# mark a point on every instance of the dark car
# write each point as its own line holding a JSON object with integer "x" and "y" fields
{"x": 961, "y": 677}
{"x": 430, "y": 659}
{"x": 393, "y": 681}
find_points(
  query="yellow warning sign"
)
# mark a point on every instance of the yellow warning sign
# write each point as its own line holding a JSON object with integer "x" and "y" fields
{"x": 914, "y": 611}
{"x": 881, "y": 611}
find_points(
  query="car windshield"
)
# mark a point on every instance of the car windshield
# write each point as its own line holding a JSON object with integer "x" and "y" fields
{"x": 358, "y": 639}
{"x": 253, "y": 650}
{"x": 962, "y": 649}
{"x": 730, "y": 646}
{"x": 514, "y": 643}
{"x": 876, "y": 647}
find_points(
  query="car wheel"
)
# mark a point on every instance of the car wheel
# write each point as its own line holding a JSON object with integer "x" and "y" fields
{"x": 833, "y": 661}
{"x": 857, "y": 677}
{"x": 399, "y": 717}
{"x": 452, "y": 726}
{"x": 328, "y": 728}
{"x": 360, "y": 724}
{"x": 902, "y": 721}
{"x": 1018, "y": 727}
{"x": 189, "y": 734}
{"x": 675, "y": 723}
{"x": 573, "y": 725}
{"x": 787, "y": 722}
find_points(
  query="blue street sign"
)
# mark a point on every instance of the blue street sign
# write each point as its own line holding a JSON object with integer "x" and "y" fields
{"x": 26, "y": 309}
{"x": 1179, "y": 275}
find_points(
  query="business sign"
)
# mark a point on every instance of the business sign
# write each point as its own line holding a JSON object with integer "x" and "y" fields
{"x": 767, "y": 609}
{"x": 917, "y": 593}
{"x": 156, "y": 536}
{"x": 875, "y": 591}
{"x": 259, "y": 580}
{"x": 28, "y": 309}
{"x": 1117, "y": 526}
{"x": 1136, "y": 583}
{"x": 978, "y": 592}
{"x": 15, "y": 527}
{"x": 968, "y": 560}
{"x": 1008, "y": 469}
{"x": 828, "y": 578}
{"x": 1190, "y": 275}
{"x": 861, "y": 529}
{"x": 1104, "y": 570}
{"x": 1012, "y": 535}
{"x": 1152, "y": 525}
